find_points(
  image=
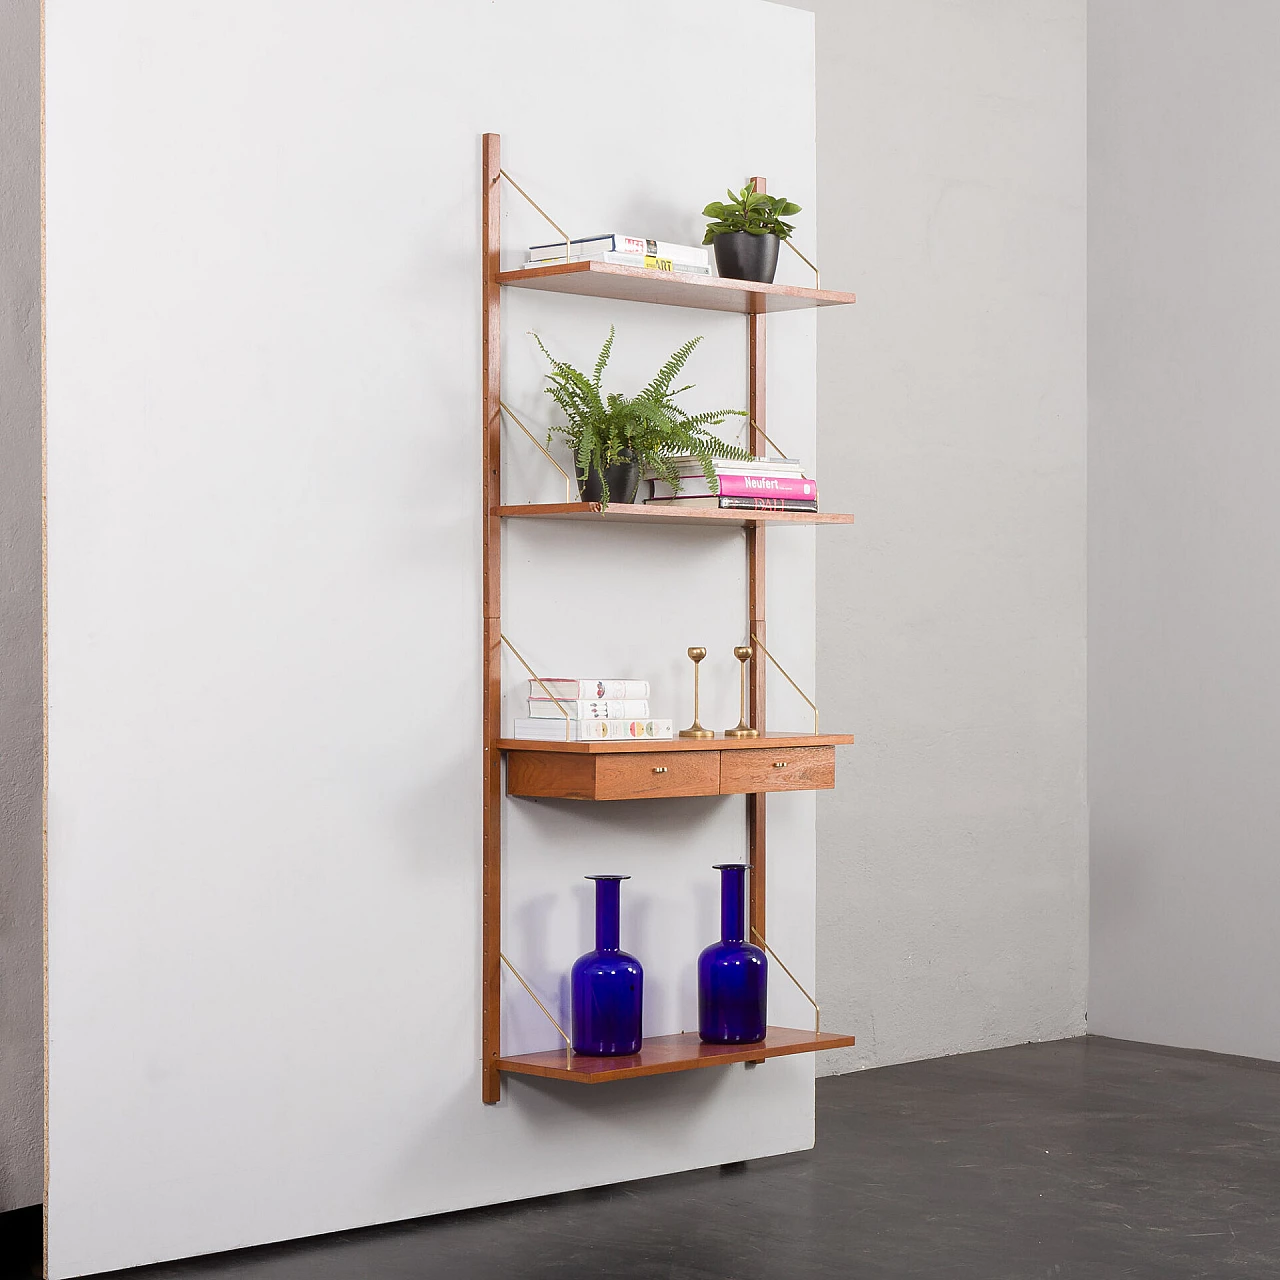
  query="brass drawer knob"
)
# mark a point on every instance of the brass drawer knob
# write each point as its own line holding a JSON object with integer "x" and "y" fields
{"x": 660, "y": 769}
{"x": 779, "y": 764}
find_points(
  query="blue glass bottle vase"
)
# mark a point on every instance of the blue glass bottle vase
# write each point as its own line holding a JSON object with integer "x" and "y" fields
{"x": 607, "y": 984}
{"x": 732, "y": 974}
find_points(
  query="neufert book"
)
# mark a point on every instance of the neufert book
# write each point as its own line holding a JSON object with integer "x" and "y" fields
{"x": 741, "y": 486}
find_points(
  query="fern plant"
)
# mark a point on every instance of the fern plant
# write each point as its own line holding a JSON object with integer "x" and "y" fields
{"x": 603, "y": 428}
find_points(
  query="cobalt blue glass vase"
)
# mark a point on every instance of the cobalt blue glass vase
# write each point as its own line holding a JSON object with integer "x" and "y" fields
{"x": 608, "y": 984}
{"x": 732, "y": 974}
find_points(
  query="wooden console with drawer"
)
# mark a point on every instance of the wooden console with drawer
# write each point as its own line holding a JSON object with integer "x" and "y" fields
{"x": 680, "y": 767}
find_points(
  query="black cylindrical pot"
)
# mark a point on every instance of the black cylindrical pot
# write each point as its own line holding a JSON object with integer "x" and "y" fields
{"x": 742, "y": 256}
{"x": 623, "y": 478}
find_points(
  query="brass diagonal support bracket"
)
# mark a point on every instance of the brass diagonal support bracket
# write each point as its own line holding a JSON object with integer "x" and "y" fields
{"x": 751, "y": 424}
{"x": 568, "y": 480}
{"x": 817, "y": 1013}
{"x": 817, "y": 279}
{"x": 813, "y": 705}
{"x": 564, "y": 711}
{"x": 568, "y": 1044}
{"x": 502, "y": 173}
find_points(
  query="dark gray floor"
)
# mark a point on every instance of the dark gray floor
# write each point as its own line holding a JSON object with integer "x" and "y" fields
{"x": 1084, "y": 1158}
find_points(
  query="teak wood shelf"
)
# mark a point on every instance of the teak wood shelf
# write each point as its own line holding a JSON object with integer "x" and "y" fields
{"x": 670, "y": 288}
{"x": 664, "y": 1054}
{"x": 752, "y": 767}
{"x": 637, "y": 513}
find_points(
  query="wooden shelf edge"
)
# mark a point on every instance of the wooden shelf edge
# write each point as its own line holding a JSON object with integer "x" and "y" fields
{"x": 671, "y": 288}
{"x": 641, "y": 513}
{"x": 666, "y": 1054}
{"x": 767, "y": 741}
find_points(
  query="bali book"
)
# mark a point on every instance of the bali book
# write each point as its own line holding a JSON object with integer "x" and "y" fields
{"x": 595, "y": 709}
{"x": 739, "y": 504}
{"x": 741, "y": 486}
{"x": 588, "y": 690}
{"x": 613, "y": 242}
{"x": 592, "y": 730}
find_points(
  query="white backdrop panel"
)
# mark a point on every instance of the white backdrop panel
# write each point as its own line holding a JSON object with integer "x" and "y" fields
{"x": 264, "y": 606}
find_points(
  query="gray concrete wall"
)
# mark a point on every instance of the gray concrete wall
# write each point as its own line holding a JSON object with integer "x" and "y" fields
{"x": 1184, "y": 556}
{"x": 952, "y": 870}
{"x": 21, "y": 696}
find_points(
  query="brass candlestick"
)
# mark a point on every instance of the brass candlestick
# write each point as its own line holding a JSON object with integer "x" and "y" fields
{"x": 743, "y": 654}
{"x": 695, "y": 730}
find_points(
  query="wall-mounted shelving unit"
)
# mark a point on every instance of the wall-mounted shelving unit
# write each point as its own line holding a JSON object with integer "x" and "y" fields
{"x": 600, "y": 771}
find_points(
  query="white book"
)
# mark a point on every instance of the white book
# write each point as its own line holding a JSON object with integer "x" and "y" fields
{"x": 741, "y": 469}
{"x": 688, "y": 465}
{"x": 595, "y": 709}
{"x": 649, "y": 262}
{"x": 614, "y": 242}
{"x": 588, "y": 690}
{"x": 630, "y": 260}
{"x": 593, "y": 730}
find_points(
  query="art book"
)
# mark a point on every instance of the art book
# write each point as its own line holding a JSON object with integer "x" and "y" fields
{"x": 592, "y": 730}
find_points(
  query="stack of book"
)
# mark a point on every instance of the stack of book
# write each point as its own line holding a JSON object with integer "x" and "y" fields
{"x": 597, "y": 710}
{"x": 625, "y": 251}
{"x": 763, "y": 484}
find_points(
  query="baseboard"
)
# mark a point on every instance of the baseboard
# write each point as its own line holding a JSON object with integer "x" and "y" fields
{"x": 22, "y": 1243}
{"x": 1175, "y": 1051}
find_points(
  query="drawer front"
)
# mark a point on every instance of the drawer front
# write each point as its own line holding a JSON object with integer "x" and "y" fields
{"x": 657, "y": 773}
{"x": 790, "y": 769}
{"x": 557, "y": 774}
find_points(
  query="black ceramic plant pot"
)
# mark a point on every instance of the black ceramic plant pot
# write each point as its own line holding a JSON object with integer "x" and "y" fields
{"x": 742, "y": 256}
{"x": 623, "y": 478}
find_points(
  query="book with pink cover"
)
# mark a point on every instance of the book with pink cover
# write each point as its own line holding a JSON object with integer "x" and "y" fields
{"x": 742, "y": 486}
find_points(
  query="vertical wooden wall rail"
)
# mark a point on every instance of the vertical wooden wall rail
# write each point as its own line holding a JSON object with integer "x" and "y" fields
{"x": 491, "y": 375}
{"x": 756, "y": 609}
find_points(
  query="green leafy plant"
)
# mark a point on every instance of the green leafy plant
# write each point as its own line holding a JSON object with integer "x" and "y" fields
{"x": 752, "y": 212}
{"x": 606, "y": 427}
